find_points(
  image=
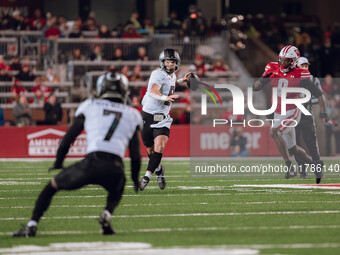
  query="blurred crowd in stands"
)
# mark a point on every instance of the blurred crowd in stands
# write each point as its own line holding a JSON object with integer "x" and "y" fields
{"x": 194, "y": 24}
{"x": 322, "y": 48}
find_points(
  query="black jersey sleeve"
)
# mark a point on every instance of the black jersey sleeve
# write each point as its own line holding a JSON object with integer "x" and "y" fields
{"x": 68, "y": 139}
{"x": 308, "y": 84}
{"x": 135, "y": 158}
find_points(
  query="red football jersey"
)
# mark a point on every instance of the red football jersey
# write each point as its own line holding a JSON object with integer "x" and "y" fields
{"x": 279, "y": 79}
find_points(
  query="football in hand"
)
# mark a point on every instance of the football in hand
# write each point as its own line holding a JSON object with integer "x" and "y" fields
{"x": 193, "y": 81}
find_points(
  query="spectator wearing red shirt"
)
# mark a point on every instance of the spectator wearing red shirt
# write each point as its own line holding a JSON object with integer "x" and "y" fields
{"x": 200, "y": 66}
{"x": 219, "y": 66}
{"x": 186, "y": 98}
{"x": 130, "y": 32}
{"x": 185, "y": 116}
{"x": 143, "y": 91}
{"x": 52, "y": 32}
{"x": 135, "y": 100}
{"x": 37, "y": 18}
{"x": 41, "y": 92}
{"x": 3, "y": 63}
{"x": 17, "y": 90}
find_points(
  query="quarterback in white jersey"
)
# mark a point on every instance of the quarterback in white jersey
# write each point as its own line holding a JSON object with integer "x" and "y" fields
{"x": 111, "y": 127}
{"x": 156, "y": 107}
{"x": 167, "y": 84}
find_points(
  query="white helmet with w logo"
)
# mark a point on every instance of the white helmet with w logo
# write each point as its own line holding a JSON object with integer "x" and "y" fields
{"x": 288, "y": 58}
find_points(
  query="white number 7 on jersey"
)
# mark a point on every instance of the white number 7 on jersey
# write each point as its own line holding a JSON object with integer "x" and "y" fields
{"x": 114, "y": 124}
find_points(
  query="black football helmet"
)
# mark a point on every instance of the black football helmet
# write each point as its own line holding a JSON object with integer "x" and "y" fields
{"x": 169, "y": 54}
{"x": 113, "y": 86}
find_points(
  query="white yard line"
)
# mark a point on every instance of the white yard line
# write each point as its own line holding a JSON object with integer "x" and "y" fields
{"x": 173, "y": 204}
{"x": 119, "y": 248}
{"x": 190, "y": 159}
{"x": 212, "y": 228}
{"x": 289, "y": 186}
{"x": 175, "y": 195}
{"x": 185, "y": 215}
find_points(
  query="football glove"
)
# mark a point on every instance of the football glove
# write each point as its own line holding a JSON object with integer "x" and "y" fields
{"x": 193, "y": 81}
{"x": 326, "y": 121}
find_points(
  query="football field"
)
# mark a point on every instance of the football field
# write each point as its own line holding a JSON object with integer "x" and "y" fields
{"x": 255, "y": 215}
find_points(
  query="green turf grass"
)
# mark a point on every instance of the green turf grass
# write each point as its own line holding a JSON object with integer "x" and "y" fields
{"x": 189, "y": 212}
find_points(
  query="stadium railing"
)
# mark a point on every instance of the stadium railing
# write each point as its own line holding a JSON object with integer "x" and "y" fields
{"x": 29, "y": 44}
{"x": 62, "y": 47}
{"x": 9, "y": 46}
{"x": 62, "y": 89}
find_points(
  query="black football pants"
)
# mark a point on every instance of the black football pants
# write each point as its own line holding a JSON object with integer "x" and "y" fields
{"x": 306, "y": 128}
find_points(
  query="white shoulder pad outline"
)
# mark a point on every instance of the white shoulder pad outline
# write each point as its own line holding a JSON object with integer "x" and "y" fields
{"x": 82, "y": 107}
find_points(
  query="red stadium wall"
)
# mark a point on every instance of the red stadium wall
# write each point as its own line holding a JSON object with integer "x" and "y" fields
{"x": 42, "y": 141}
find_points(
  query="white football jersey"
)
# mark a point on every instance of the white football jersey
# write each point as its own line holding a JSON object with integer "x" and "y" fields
{"x": 109, "y": 126}
{"x": 167, "y": 85}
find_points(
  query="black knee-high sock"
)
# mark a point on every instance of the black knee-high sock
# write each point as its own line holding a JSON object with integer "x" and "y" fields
{"x": 155, "y": 160}
{"x": 43, "y": 202}
{"x": 112, "y": 201}
{"x": 149, "y": 154}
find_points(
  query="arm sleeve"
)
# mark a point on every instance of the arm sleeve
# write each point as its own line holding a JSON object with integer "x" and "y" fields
{"x": 68, "y": 139}
{"x": 135, "y": 155}
{"x": 308, "y": 84}
{"x": 267, "y": 71}
{"x": 260, "y": 83}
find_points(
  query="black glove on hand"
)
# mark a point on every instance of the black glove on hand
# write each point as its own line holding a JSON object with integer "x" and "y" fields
{"x": 324, "y": 117}
{"x": 193, "y": 81}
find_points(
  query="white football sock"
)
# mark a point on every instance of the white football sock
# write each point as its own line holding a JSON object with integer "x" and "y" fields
{"x": 32, "y": 223}
{"x": 158, "y": 168}
{"x": 147, "y": 174}
{"x": 107, "y": 213}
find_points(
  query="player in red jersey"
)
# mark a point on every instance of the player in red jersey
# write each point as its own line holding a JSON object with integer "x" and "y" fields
{"x": 285, "y": 74}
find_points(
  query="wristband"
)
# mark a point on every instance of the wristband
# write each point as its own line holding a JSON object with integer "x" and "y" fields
{"x": 180, "y": 81}
{"x": 163, "y": 97}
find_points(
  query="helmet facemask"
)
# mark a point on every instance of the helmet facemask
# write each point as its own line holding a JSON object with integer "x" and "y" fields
{"x": 167, "y": 69}
{"x": 286, "y": 64}
{"x": 169, "y": 54}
